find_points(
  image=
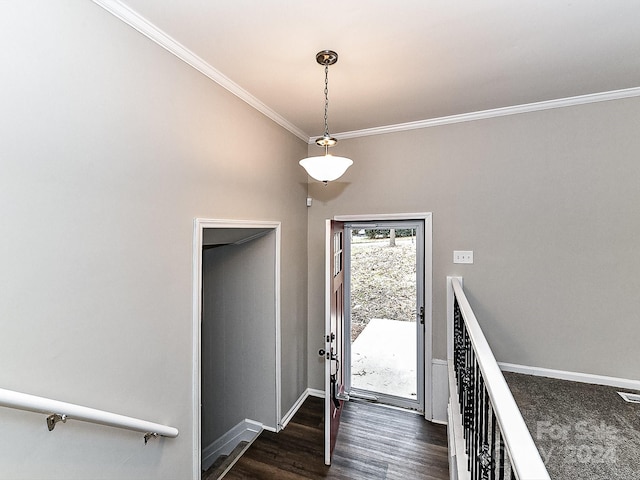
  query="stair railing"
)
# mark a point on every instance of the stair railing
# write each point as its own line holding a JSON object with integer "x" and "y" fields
{"x": 62, "y": 411}
{"x": 488, "y": 437}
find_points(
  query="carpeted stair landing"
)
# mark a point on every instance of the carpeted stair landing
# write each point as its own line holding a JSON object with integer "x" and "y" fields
{"x": 582, "y": 431}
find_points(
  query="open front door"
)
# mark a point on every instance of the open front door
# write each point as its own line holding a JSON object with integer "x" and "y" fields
{"x": 334, "y": 342}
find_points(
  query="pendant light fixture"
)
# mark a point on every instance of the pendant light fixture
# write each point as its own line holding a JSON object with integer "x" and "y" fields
{"x": 326, "y": 168}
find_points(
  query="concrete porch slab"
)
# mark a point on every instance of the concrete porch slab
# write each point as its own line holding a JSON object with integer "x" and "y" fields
{"x": 384, "y": 358}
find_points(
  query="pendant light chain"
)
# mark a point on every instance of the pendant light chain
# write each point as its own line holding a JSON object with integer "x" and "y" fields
{"x": 326, "y": 100}
{"x": 326, "y": 168}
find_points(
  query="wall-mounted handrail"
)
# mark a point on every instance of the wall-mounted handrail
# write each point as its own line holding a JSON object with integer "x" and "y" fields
{"x": 63, "y": 411}
{"x": 525, "y": 459}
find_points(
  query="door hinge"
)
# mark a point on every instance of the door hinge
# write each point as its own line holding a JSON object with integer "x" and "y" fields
{"x": 421, "y": 315}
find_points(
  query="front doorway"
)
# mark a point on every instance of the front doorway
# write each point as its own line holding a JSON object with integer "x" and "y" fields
{"x": 338, "y": 344}
{"x": 384, "y": 312}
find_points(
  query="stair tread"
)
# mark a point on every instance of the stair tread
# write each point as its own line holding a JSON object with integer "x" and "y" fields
{"x": 223, "y": 462}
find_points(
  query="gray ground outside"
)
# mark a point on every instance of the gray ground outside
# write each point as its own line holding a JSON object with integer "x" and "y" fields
{"x": 383, "y": 358}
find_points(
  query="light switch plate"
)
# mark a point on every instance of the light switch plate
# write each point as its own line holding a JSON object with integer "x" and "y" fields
{"x": 463, "y": 256}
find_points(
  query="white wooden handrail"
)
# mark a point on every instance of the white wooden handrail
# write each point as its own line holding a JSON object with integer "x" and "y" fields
{"x": 525, "y": 458}
{"x": 63, "y": 411}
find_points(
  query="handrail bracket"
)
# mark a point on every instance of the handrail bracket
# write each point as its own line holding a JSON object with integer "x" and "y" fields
{"x": 55, "y": 418}
{"x": 148, "y": 436}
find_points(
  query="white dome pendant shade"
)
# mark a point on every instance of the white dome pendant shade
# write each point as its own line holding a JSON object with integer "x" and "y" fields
{"x": 326, "y": 168}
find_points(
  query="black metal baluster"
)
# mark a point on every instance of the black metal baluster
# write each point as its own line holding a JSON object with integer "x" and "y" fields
{"x": 466, "y": 382}
{"x": 472, "y": 448}
{"x": 467, "y": 396}
{"x": 501, "y": 452}
{"x": 464, "y": 359}
{"x": 471, "y": 410}
{"x": 481, "y": 401}
{"x": 468, "y": 385}
{"x": 493, "y": 444}
{"x": 479, "y": 421}
{"x": 486, "y": 459}
{"x": 476, "y": 421}
{"x": 474, "y": 424}
{"x": 458, "y": 351}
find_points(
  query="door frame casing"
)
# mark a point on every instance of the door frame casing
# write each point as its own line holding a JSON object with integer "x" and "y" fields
{"x": 426, "y": 217}
{"x": 199, "y": 225}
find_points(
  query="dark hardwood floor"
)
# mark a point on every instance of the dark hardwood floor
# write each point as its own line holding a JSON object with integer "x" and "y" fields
{"x": 374, "y": 442}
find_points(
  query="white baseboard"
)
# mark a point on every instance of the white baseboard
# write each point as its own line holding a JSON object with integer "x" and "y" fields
{"x": 439, "y": 391}
{"x": 245, "y": 431}
{"x": 573, "y": 376}
{"x": 309, "y": 392}
{"x": 315, "y": 392}
{"x": 292, "y": 411}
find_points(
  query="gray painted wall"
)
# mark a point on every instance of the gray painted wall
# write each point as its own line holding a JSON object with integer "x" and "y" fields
{"x": 238, "y": 336}
{"x": 110, "y": 147}
{"x": 550, "y": 204}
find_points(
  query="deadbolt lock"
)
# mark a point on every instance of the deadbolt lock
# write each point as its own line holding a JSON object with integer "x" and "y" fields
{"x": 329, "y": 356}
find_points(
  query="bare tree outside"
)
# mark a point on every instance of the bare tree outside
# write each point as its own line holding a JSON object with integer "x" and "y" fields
{"x": 383, "y": 277}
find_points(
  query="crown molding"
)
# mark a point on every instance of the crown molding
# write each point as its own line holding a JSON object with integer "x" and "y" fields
{"x": 492, "y": 113}
{"x": 149, "y": 30}
{"x": 146, "y": 28}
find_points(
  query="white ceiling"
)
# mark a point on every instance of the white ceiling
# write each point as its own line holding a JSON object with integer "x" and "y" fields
{"x": 408, "y": 60}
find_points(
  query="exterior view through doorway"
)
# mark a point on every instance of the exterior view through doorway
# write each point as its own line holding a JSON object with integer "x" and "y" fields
{"x": 385, "y": 312}
{"x": 387, "y": 338}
